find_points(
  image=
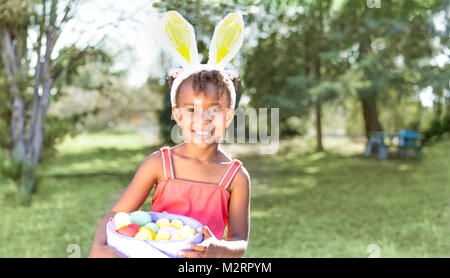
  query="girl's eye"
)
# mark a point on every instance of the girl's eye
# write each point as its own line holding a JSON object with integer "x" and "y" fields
{"x": 214, "y": 110}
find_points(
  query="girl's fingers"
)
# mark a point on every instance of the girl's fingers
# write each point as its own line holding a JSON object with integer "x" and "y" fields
{"x": 190, "y": 254}
{"x": 196, "y": 247}
{"x": 205, "y": 231}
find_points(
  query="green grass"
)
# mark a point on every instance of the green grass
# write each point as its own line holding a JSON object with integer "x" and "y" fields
{"x": 304, "y": 204}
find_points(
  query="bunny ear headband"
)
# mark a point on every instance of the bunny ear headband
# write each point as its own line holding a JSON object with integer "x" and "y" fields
{"x": 226, "y": 41}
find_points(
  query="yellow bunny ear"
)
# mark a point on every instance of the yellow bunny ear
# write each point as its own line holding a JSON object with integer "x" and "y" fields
{"x": 181, "y": 36}
{"x": 227, "y": 40}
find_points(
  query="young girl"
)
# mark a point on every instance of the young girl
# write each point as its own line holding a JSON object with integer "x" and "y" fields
{"x": 196, "y": 178}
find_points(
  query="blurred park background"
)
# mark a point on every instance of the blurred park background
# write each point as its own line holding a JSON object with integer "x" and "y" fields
{"x": 84, "y": 99}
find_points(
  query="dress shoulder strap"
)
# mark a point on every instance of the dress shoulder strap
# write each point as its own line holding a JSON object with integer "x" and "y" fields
{"x": 233, "y": 168}
{"x": 167, "y": 162}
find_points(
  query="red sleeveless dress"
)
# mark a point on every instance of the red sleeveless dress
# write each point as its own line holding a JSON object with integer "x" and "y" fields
{"x": 205, "y": 202}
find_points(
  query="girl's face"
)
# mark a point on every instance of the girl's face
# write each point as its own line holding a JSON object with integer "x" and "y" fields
{"x": 204, "y": 117}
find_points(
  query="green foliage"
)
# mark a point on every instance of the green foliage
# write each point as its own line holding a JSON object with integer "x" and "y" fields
{"x": 71, "y": 59}
{"x": 17, "y": 13}
{"x": 22, "y": 174}
{"x": 58, "y": 128}
{"x": 164, "y": 114}
{"x": 389, "y": 48}
{"x": 10, "y": 167}
{"x": 295, "y": 67}
{"x": 318, "y": 51}
{"x": 5, "y": 111}
{"x": 436, "y": 129}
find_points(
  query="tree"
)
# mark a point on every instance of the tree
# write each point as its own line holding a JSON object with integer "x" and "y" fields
{"x": 300, "y": 61}
{"x": 384, "y": 45}
{"x": 19, "y": 21}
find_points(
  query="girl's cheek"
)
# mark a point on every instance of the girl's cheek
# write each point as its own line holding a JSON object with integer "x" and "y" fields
{"x": 219, "y": 126}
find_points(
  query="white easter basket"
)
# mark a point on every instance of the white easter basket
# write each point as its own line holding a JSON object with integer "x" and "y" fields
{"x": 138, "y": 248}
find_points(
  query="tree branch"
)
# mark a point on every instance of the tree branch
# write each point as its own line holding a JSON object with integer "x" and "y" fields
{"x": 9, "y": 57}
{"x": 60, "y": 74}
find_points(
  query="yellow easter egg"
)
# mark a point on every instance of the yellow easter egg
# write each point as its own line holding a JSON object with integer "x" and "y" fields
{"x": 162, "y": 222}
{"x": 176, "y": 223}
{"x": 177, "y": 235}
{"x": 145, "y": 233}
{"x": 162, "y": 235}
{"x": 187, "y": 231}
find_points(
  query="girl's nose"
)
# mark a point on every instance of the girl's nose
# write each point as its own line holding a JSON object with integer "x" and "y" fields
{"x": 202, "y": 115}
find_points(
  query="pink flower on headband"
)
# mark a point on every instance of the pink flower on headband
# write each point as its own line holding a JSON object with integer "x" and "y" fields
{"x": 174, "y": 73}
{"x": 231, "y": 74}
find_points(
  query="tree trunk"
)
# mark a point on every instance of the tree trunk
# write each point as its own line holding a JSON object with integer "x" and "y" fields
{"x": 318, "y": 77}
{"x": 319, "y": 146}
{"x": 27, "y": 151}
{"x": 27, "y": 177}
{"x": 27, "y": 148}
{"x": 18, "y": 108}
{"x": 370, "y": 113}
{"x": 318, "y": 108}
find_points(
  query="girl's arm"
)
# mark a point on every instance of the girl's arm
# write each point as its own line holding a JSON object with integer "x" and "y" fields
{"x": 131, "y": 200}
{"x": 238, "y": 225}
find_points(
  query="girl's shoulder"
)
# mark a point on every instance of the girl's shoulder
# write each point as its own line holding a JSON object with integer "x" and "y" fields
{"x": 152, "y": 165}
{"x": 225, "y": 156}
{"x": 155, "y": 156}
{"x": 241, "y": 180}
{"x": 242, "y": 176}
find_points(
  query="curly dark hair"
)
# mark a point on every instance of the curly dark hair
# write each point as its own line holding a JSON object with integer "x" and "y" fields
{"x": 200, "y": 79}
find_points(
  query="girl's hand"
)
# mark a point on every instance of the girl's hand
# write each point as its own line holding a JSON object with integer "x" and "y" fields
{"x": 210, "y": 247}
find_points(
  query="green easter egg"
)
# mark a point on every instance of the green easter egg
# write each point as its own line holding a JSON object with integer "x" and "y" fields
{"x": 140, "y": 218}
{"x": 153, "y": 226}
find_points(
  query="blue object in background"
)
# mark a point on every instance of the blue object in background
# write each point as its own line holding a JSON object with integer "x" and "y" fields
{"x": 408, "y": 138}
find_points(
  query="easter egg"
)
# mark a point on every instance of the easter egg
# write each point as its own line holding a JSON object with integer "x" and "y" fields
{"x": 176, "y": 223}
{"x": 187, "y": 231}
{"x": 130, "y": 230}
{"x": 152, "y": 226}
{"x": 140, "y": 218}
{"x": 162, "y": 235}
{"x": 134, "y": 226}
{"x": 177, "y": 235}
{"x": 145, "y": 233}
{"x": 121, "y": 219}
{"x": 168, "y": 229}
{"x": 162, "y": 222}
{"x": 152, "y": 232}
